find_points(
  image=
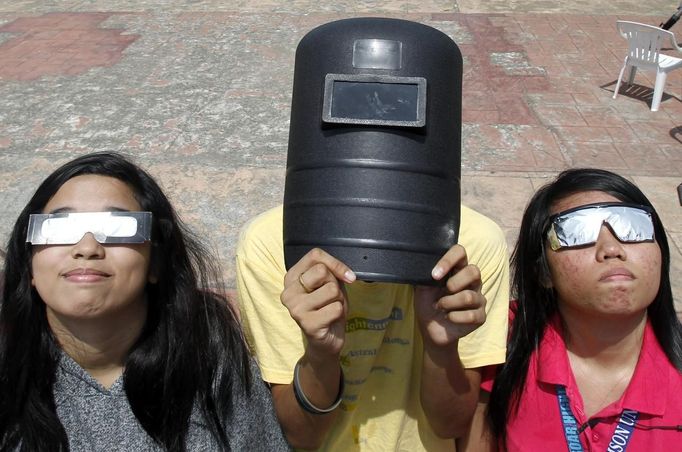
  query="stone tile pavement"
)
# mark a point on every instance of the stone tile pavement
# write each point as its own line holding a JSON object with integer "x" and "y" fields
{"x": 198, "y": 92}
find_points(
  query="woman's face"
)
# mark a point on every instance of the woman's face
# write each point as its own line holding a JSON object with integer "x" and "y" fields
{"x": 608, "y": 277}
{"x": 89, "y": 280}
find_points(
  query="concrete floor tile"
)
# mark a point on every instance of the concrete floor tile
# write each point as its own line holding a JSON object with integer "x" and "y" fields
{"x": 662, "y": 191}
{"x": 471, "y": 116}
{"x": 654, "y": 132}
{"x": 559, "y": 47}
{"x": 576, "y": 66}
{"x": 516, "y": 111}
{"x": 483, "y": 136}
{"x": 477, "y": 100}
{"x": 550, "y": 98}
{"x": 675, "y": 241}
{"x": 537, "y": 84}
{"x": 232, "y": 196}
{"x": 587, "y": 99}
{"x": 512, "y": 236}
{"x": 500, "y": 159}
{"x": 606, "y": 116}
{"x": 540, "y": 181}
{"x": 537, "y": 138}
{"x": 491, "y": 195}
{"x": 622, "y": 134}
{"x": 673, "y": 108}
{"x": 594, "y": 155}
{"x": 71, "y": 51}
{"x": 18, "y": 180}
{"x": 558, "y": 115}
{"x": 573, "y": 12}
{"x": 673, "y": 152}
{"x": 582, "y": 134}
{"x": 549, "y": 160}
{"x": 642, "y": 159}
{"x": 560, "y": 83}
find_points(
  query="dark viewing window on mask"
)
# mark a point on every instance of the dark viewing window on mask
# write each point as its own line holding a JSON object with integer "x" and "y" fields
{"x": 375, "y": 100}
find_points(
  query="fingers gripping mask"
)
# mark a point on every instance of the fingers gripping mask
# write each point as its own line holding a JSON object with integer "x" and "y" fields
{"x": 630, "y": 223}
{"x": 106, "y": 227}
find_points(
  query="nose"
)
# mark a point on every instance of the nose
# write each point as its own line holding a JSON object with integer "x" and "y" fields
{"x": 608, "y": 246}
{"x": 87, "y": 248}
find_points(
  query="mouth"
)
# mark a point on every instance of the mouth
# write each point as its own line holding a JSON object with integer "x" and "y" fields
{"x": 85, "y": 273}
{"x": 617, "y": 274}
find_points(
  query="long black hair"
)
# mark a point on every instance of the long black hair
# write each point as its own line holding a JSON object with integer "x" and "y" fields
{"x": 536, "y": 303}
{"x": 191, "y": 351}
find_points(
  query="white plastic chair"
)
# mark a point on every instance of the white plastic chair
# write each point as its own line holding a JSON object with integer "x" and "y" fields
{"x": 644, "y": 46}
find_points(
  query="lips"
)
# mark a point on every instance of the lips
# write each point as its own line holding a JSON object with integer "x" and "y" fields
{"x": 85, "y": 275}
{"x": 617, "y": 274}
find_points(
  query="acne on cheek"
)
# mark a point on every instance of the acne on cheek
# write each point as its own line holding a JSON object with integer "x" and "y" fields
{"x": 654, "y": 269}
{"x": 568, "y": 274}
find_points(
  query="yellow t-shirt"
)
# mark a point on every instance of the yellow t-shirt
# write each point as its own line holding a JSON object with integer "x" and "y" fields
{"x": 382, "y": 355}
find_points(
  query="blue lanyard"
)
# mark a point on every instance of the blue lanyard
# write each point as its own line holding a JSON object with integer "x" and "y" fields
{"x": 619, "y": 440}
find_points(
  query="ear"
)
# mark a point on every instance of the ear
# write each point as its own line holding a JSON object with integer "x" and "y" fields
{"x": 546, "y": 281}
{"x": 152, "y": 278}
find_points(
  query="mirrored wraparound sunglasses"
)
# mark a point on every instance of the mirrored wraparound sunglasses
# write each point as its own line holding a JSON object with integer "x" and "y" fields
{"x": 69, "y": 228}
{"x": 580, "y": 226}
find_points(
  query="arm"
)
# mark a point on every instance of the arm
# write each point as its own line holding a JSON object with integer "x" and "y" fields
{"x": 479, "y": 437}
{"x": 275, "y": 337}
{"x": 449, "y": 411}
{"x": 315, "y": 299}
{"x": 448, "y": 391}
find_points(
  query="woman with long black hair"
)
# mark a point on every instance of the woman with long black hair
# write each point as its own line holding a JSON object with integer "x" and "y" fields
{"x": 111, "y": 336}
{"x": 594, "y": 360}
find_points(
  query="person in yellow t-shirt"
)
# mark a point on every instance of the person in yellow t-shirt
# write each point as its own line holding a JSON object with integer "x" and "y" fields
{"x": 357, "y": 365}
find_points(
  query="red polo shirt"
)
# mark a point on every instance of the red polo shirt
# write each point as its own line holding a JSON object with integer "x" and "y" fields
{"x": 655, "y": 391}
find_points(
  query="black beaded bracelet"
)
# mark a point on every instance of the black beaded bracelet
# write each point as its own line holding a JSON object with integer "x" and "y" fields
{"x": 305, "y": 403}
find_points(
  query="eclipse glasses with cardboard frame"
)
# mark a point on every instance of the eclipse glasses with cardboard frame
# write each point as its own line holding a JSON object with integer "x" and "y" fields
{"x": 107, "y": 227}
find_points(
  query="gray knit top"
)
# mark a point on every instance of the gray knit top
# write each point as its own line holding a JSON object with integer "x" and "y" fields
{"x": 99, "y": 419}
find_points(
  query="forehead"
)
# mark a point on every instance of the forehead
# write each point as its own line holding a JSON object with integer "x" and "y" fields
{"x": 580, "y": 199}
{"x": 93, "y": 193}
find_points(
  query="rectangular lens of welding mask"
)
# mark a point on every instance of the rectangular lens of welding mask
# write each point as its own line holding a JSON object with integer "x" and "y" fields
{"x": 381, "y": 100}
{"x": 106, "y": 227}
{"x": 581, "y": 226}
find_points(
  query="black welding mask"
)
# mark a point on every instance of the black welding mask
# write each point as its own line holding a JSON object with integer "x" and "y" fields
{"x": 373, "y": 165}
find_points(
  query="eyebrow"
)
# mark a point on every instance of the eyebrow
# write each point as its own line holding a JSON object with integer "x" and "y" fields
{"x": 71, "y": 209}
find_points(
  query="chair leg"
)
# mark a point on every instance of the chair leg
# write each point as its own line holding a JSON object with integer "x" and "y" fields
{"x": 658, "y": 90}
{"x": 620, "y": 77}
{"x": 633, "y": 71}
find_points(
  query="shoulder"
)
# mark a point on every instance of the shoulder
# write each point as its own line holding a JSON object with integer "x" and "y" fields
{"x": 477, "y": 228}
{"x": 267, "y": 223}
{"x": 262, "y": 234}
{"x": 481, "y": 236}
